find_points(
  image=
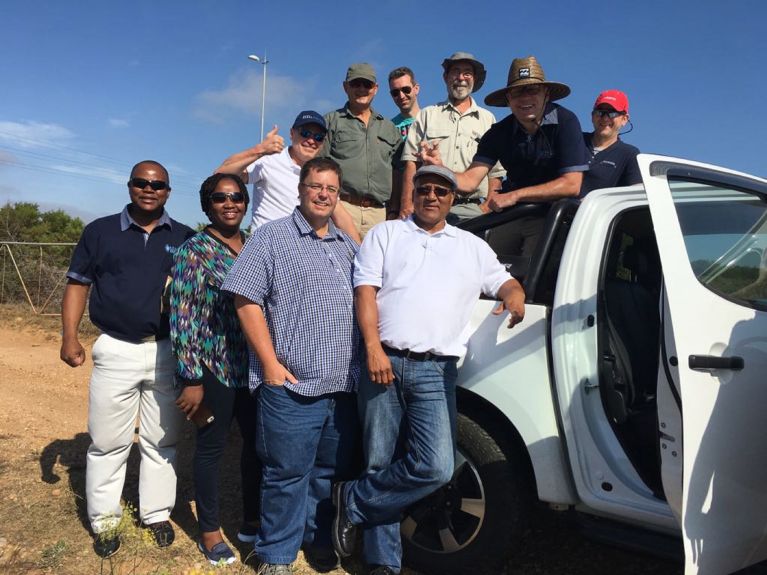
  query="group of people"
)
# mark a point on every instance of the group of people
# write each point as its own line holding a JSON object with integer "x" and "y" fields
{"x": 330, "y": 331}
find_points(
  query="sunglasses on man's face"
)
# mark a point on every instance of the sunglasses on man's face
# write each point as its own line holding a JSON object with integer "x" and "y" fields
{"x": 141, "y": 183}
{"x": 612, "y": 114}
{"x": 221, "y": 197}
{"x": 404, "y": 89}
{"x": 361, "y": 82}
{"x": 439, "y": 191}
{"x": 318, "y": 137}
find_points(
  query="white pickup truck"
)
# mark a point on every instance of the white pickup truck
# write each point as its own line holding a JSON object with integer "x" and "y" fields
{"x": 635, "y": 390}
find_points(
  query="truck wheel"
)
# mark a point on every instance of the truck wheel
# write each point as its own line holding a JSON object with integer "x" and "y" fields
{"x": 471, "y": 523}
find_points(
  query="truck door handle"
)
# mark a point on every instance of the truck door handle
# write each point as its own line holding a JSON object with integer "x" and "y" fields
{"x": 705, "y": 362}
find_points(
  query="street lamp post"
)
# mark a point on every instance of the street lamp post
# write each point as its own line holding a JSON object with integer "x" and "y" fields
{"x": 263, "y": 61}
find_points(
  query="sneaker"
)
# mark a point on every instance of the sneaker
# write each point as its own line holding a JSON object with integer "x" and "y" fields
{"x": 162, "y": 531}
{"x": 220, "y": 554}
{"x": 321, "y": 559}
{"x": 247, "y": 532}
{"x": 106, "y": 546}
{"x": 274, "y": 569}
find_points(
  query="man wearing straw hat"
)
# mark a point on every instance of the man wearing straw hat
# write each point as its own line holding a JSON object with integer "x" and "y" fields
{"x": 540, "y": 145}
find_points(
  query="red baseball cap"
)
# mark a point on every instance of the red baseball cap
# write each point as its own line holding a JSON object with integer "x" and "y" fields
{"x": 616, "y": 99}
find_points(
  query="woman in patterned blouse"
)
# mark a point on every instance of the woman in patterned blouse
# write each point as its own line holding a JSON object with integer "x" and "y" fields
{"x": 212, "y": 358}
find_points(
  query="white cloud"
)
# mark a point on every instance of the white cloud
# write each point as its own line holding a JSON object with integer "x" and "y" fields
{"x": 92, "y": 172}
{"x": 118, "y": 123}
{"x": 242, "y": 95}
{"x": 30, "y": 135}
{"x": 8, "y": 158}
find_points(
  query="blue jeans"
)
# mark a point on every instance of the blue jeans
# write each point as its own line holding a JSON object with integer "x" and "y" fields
{"x": 305, "y": 444}
{"x": 408, "y": 431}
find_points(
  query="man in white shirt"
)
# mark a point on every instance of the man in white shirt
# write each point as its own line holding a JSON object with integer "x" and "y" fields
{"x": 416, "y": 282}
{"x": 274, "y": 171}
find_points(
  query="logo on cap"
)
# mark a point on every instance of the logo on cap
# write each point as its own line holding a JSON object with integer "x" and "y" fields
{"x": 524, "y": 72}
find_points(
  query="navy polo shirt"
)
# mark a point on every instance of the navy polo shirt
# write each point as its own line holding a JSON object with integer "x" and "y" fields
{"x": 127, "y": 269}
{"x": 556, "y": 148}
{"x": 614, "y": 166}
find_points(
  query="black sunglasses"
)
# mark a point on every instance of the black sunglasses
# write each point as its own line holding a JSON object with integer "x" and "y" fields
{"x": 221, "y": 197}
{"x": 357, "y": 82}
{"x": 141, "y": 183}
{"x": 404, "y": 89}
{"x": 317, "y": 136}
{"x": 612, "y": 114}
{"x": 439, "y": 191}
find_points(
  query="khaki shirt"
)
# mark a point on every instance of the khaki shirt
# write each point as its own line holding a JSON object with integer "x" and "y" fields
{"x": 366, "y": 154}
{"x": 458, "y": 136}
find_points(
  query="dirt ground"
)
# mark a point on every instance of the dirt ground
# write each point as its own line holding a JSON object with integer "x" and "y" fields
{"x": 43, "y": 527}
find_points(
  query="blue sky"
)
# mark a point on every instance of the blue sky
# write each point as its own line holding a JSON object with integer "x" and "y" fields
{"x": 91, "y": 87}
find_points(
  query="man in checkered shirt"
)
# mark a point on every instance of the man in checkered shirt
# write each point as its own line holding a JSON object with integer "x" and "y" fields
{"x": 293, "y": 292}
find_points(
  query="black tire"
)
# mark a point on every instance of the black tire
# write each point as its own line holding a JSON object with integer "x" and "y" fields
{"x": 471, "y": 524}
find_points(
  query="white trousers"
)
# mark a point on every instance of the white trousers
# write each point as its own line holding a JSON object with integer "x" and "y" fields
{"x": 131, "y": 380}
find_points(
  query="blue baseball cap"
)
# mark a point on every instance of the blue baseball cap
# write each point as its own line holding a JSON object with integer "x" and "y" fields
{"x": 310, "y": 117}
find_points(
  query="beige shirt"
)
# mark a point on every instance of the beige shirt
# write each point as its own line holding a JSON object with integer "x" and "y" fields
{"x": 458, "y": 136}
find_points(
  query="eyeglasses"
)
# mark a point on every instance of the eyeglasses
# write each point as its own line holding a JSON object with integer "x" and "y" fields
{"x": 141, "y": 183}
{"x": 439, "y": 191}
{"x": 532, "y": 90}
{"x": 221, "y": 197}
{"x": 318, "y": 137}
{"x": 317, "y": 188}
{"x": 357, "y": 82}
{"x": 404, "y": 89}
{"x": 612, "y": 114}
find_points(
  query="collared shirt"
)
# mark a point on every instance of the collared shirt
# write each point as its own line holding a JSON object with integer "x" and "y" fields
{"x": 458, "y": 136}
{"x": 429, "y": 283}
{"x": 366, "y": 154}
{"x": 304, "y": 285}
{"x": 204, "y": 328}
{"x": 275, "y": 187}
{"x": 127, "y": 269}
{"x": 613, "y": 166}
{"x": 556, "y": 148}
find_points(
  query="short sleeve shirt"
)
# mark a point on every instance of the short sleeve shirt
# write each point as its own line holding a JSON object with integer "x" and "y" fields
{"x": 275, "y": 187}
{"x": 127, "y": 269}
{"x": 613, "y": 166}
{"x": 458, "y": 136}
{"x": 556, "y": 148}
{"x": 429, "y": 283}
{"x": 366, "y": 154}
{"x": 303, "y": 283}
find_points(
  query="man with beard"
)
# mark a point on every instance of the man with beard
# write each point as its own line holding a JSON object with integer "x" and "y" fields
{"x": 273, "y": 170}
{"x": 540, "y": 144}
{"x": 455, "y": 126}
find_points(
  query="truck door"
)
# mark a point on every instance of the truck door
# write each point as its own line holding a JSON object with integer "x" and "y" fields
{"x": 711, "y": 228}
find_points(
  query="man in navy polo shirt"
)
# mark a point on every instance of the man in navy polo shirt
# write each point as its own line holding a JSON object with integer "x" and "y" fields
{"x": 613, "y": 162}
{"x": 124, "y": 260}
{"x": 540, "y": 145}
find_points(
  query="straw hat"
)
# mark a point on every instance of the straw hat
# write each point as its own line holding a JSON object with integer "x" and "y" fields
{"x": 524, "y": 72}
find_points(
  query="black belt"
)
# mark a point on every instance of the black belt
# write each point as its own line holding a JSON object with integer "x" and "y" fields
{"x": 361, "y": 201}
{"x": 416, "y": 355}
{"x": 460, "y": 201}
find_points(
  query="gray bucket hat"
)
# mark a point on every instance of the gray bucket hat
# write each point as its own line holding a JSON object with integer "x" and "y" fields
{"x": 479, "y": 69}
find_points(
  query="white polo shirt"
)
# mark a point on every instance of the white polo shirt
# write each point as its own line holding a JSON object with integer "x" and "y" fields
{"x": 275, "y": 187}
{"x": 429, "y": 283}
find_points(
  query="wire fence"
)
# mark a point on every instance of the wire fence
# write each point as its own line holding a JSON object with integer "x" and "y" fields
{"x": 34, "y": 273}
